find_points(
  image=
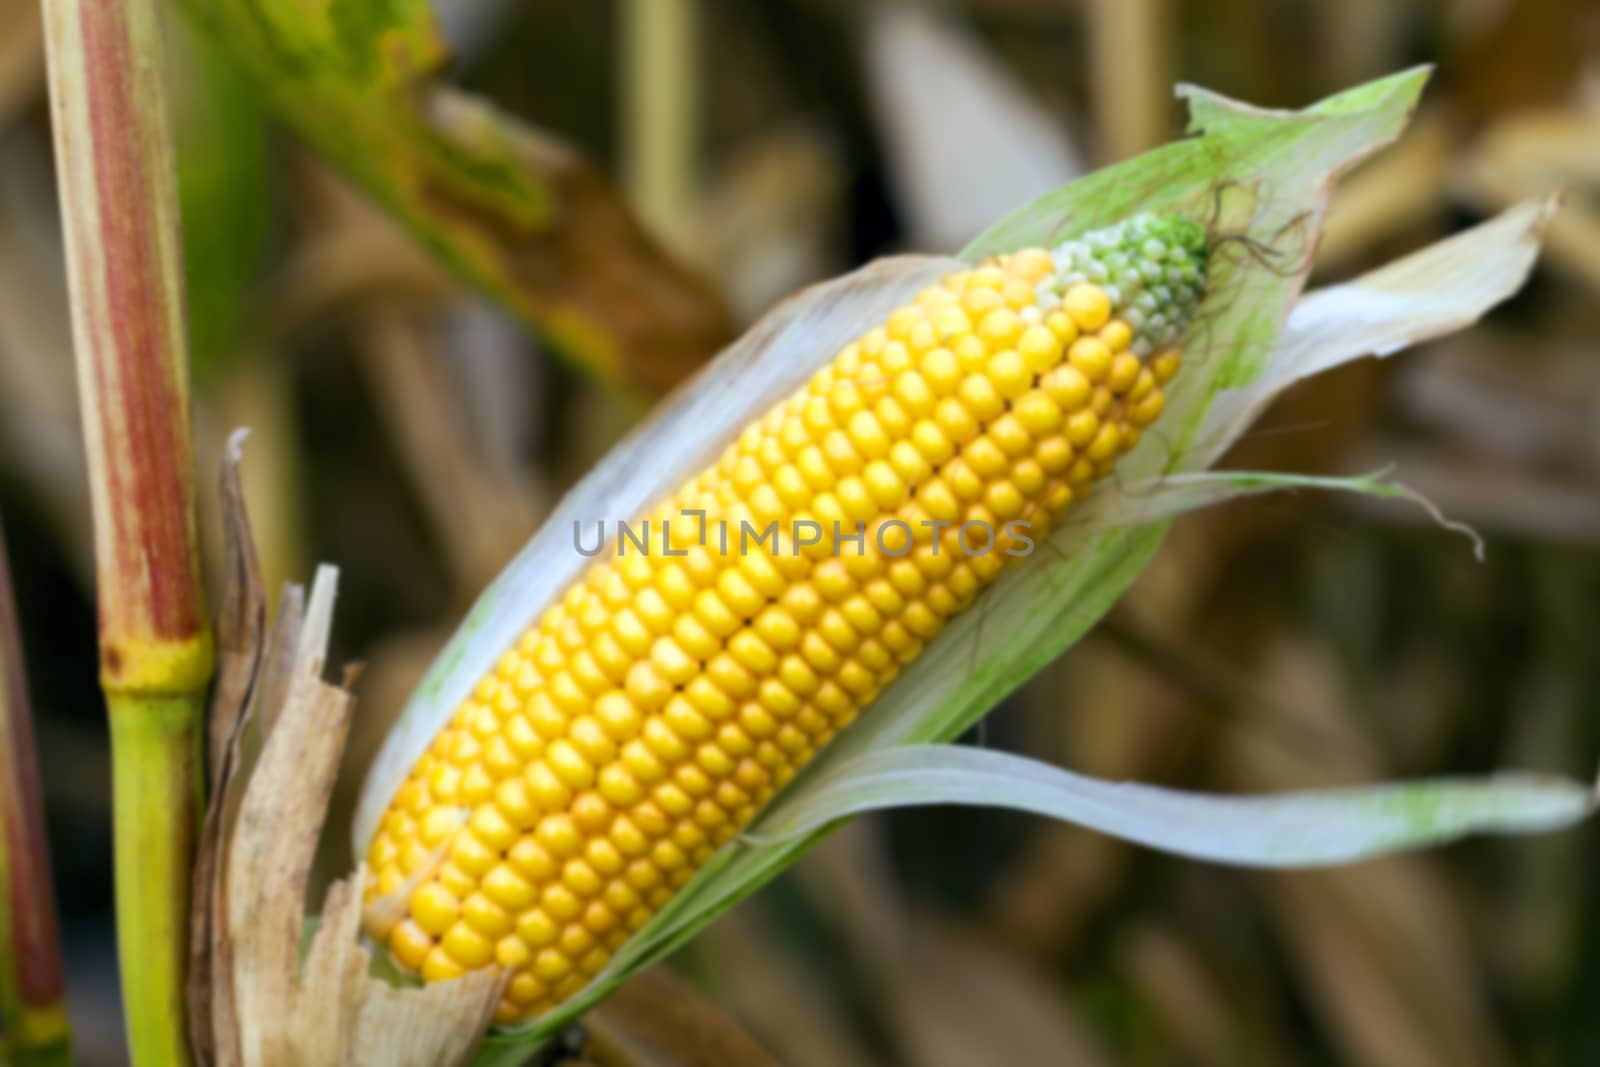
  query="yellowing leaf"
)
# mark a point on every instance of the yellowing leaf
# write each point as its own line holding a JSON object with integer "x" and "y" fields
{"x": 515, "y": 212}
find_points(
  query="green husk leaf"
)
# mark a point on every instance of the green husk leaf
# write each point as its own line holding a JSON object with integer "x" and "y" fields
{"x": 1264, "y": 175}
{"x": 1300, "y": 830}
{"x": 1176, "y": 494}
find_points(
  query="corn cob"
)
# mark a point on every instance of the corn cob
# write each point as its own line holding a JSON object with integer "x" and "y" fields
{"x": 648, "y": 715}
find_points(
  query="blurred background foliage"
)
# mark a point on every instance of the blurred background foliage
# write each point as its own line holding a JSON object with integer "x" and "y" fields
{"x": 414, "y": 434}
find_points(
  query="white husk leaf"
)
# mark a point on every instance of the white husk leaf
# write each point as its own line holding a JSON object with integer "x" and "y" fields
{"x": 1436, "y": 291}
{"x": 682, "y": 435}
{"x": 1311, "y": 829}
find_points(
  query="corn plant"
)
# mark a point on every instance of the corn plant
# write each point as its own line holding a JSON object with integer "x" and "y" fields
{"x": 830, "y": 553}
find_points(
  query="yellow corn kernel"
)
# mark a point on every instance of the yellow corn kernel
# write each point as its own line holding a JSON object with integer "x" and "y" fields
{"x": 1088, "y": 305}
{"x": 652, "y": 711}
{"x": 1090, "y": 356}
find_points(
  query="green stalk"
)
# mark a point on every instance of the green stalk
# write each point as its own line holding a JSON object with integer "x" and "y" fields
{"x": 115, "y": 167}
{"x": 155, "y": 795}
{"x": 33, "y": 1013}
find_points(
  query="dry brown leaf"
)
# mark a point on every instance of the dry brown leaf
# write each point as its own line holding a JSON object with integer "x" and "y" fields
{"x": 216, "y": 1001}
{"x": 358, "y": 255}
{"x": 321, "y": 1027}
{"x": 437, "y": 1026}
{"x": 21, "y": 56}
{"x": 778, "y": 996}
{"x": 264, "y": 1007}
{"x": 269, "y": 856}
{"x": 1488, "y": 497}
{"x": 1383, "y": 946}
{"x": 1533, "y": 154}
{"x": 240, "y": 628}
{"x": 278, "y": 664}
{"x": 480, "y": 520}
{"x": 957, "y": 1000}
{"x": 1166, "y": 971}
{"x": 657, "y": 1020}
{"x": 952, "y": 998}
{"x": 241, "y": 619}
{"x": 391, "y": 1027}
{"x": 1538, "y": 409}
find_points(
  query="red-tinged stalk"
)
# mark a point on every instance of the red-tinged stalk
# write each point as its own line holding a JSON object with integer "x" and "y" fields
{"x": 119, "y": 207}
{"x": 33, "y": 1012}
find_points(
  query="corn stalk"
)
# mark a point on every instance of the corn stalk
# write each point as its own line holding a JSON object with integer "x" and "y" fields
{"x": 33, "y": 1014}
{"x": 120, "y": 218}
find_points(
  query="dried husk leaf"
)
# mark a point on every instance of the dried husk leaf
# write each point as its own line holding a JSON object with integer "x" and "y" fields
{"x": 240, "y": 630}
{"x": 241, "y": 621}
{"x": 214, "y": 1001}
{"x": 269, "y": 856}
{"x": 268, "y": 1009}
{"x": 440, "y": 1024}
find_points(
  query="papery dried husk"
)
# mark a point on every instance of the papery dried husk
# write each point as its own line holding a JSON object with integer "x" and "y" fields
{"x": 255, "y": 999}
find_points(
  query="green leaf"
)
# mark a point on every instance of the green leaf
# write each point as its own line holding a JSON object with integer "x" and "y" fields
{"x": 225, "y": 192}
{"x": 514, "y": 212}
